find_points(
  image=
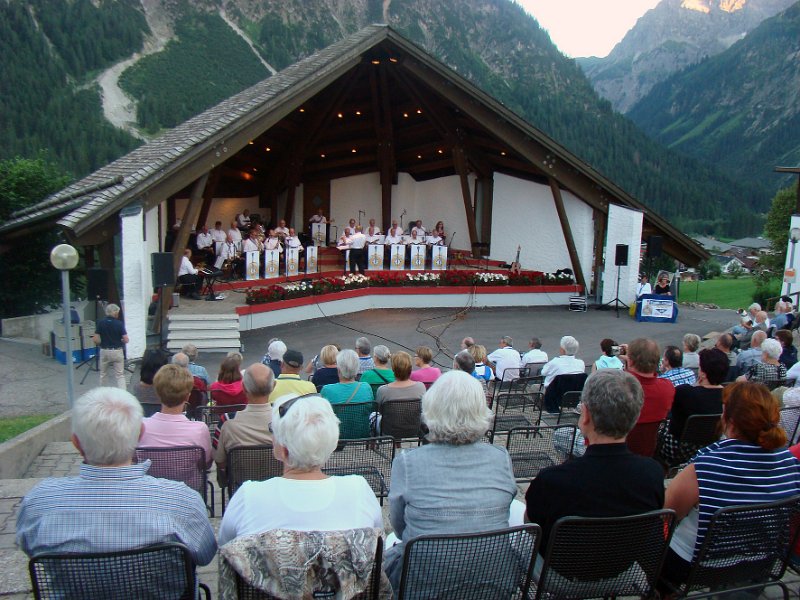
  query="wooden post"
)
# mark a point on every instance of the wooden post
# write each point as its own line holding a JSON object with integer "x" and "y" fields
{"x": 189, "y": 217}
{"x": 562, "y": 217}
{"x": 208, "y": 196}
{"x": 487, "y": 199}
{"x": 460, "y": 163}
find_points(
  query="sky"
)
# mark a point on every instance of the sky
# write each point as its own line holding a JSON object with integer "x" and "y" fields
{"x": 587, "y": 27}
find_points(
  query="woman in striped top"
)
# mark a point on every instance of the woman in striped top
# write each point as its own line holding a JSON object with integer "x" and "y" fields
{"x": 750, "y": 466}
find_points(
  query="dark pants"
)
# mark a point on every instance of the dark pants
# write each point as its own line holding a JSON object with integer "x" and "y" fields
{"x": 358, "y": 258}
{"x": 191, "y": 283}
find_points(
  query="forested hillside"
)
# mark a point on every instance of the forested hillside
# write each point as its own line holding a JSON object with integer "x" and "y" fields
{"x": 494, "y": 43}
{"x": 739, "y": 109}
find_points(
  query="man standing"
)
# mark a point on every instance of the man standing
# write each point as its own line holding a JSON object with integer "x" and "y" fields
{"x": 110, "y": 335}
{"x": 289, "y": 381}
{"x": 112, "y": 505}
{"x": 358, "y": 252}
{"x": 505, "y": 357}
{"x": 565, "y": 363}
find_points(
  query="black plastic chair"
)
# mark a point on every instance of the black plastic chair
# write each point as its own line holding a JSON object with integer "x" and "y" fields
{"x": 369, "y": 457}
{"x": 402, "y": 419}
{"x": 210, "y": 414}
{"x": 568, "y": 408}
{"x": 164, "y": 571}
{"x": 605, "y": 557}
{"x": 570, "y": 382}
{"x": 516, "y": 410}
{"x": 745, "y": 548}
{"x": 790, "y": 421}
{"x": 698, "y": 432}
{"x": 249, "y": 463}
{"x": 353, "y": 419}
{"x": 471, "y": 566}
{"x": 181, "y": 463}
{"x": 532, "y": 449}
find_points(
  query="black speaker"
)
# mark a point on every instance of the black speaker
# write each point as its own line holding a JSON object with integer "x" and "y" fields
{"x": 163, "y": 271}
{"x": 621, "y": 256}
{"x": 99, "y": 283}
{"x": 654, "y": 246}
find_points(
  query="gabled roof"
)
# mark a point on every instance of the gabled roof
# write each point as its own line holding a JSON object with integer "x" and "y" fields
{"x": 712, "y": 244}
{"x": 167, "y": 164}
{"x": 757, "y": 243}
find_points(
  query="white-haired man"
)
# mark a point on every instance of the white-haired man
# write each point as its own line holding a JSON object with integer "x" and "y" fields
{"x": 110, "y": 335}
{"x": 505, "y": 357}
{"x": 565, "y": 363}
{"x": 364, "y": 351}
{"x": 190, "y": 350}
{"x": 112, "y": 505}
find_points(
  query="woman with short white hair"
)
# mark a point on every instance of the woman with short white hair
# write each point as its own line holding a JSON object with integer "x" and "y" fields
{"x": 348, "y": 389}
{"x": 455, "y": 484}
{"x": 769, "y": 371}
{"x": 305, "y": 433}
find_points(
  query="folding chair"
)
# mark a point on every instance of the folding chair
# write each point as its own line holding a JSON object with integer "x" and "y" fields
{"x": 210, "y": 414}
{"x": 353, "y": 419}
{"x": 250, "y": 463}
{"x": 516, "y": 410}
{"x": 533, "y": 449}
{"x": 181, "y": 463}
{"x": 370, "y": 457}
{"x": 220, "y": 398}
{"x": 402, "y": 419}
{"x": 698, "y": 432}
{"x": 568, "y": 408}
{"x": 160, "y": 571}
{"x": 745, "y": 548}
{"x": 197, "y": 398}
{"x": 471, "y": 566}
{"x": 790, "y": 421}
{"x": 571, "y": 382}
{"x": 605, "y": 557}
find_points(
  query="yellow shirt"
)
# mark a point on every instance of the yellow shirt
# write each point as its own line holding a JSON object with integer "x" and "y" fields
{"x": 291, "y": 384}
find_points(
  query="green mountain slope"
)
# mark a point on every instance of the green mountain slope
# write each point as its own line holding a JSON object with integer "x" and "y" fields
{"x": 740, "y": 109}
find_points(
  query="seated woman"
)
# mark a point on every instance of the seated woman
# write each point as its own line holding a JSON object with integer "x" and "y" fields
{"x": 402, "y": 388}
{"x": 382, "y": 373}
{"x": 228, "y": 384}
{"x": 348, "y": 389}
{"x": 305, "y": 434}
{"x": 662, "y": 286}
{"x": 455, "y": 484}
{"x": 765, "y": 472}
{"x": 608, "y": 360}
{"x": 788, "y": 356}
{"x": 704, "y": 398}
{"x": 425, "y": 373}
{"x": 327, "y": 373}
{"x": 478, "y": 353}
{"x": 769, "y": 371}
{"x": 143, "y": 389}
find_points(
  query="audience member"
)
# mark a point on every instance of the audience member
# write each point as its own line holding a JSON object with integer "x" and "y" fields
{"x": 744, "y": 339}
{"x": 610, "y": 358}
{"x": 305, "y": 434}
{"x": 229, "y": 382}
{"x": 328, "y": 372}
{"x": 170, "y": 427}
{"x": 113, "y": 505}
{"x": 691, "y": 343}
{"x": 348, "y": 389}
{"x": 705, "y": 398}
{"x": 382, "y": 373}
{"x": 467, "y": 342}
{"x": 402, "y": 388}
{"x": 565, "y": 363}
{"x": 725, "y": 344}
{"x": 425, "y": 373}
{"x": 781, "y": 318}
{"x": 364, "y": 351}
{"x": 190, "y": 350}
{"x": 463, "y": 361}
{"x": 765, "y": 472}
{"x": 182, "y": 360}
{"x": 535, "y": 354}
{"x": 482, "y": 371}
{"x": 429, "y": 483}
{"x": 747, "y": 358}
{"x": 505, "y": 357}
{"x": 769, "y": 371}
{"x": 143, "y": 389}
{"x": 672, "y": 370}
{"x": 289, "y": 382}
{"x": 250, "y": 427}
{"x": 608, "y": 480}
{"x": 274, "y": 355}
{"x": 788, "y": 351}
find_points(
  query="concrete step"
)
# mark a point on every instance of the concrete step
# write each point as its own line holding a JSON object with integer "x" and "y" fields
{"x": 209, "y": 332}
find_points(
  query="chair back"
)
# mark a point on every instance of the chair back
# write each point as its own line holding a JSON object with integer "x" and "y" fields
{"x": 568, "y": 412}
{"x": 471, "y": 566}
{"x": 251, "y": 463}
{"x": 535, "y": 369}
{"x": 210, "y": 414}
{"x": 571, "y": 382}
{"x": 353, "y": 419}
{"x": 516, "y": 410}
{"x": 370, "y": 457}
{"x": 790, "y": 421}
{"x": 701, "y": 430}
{"x": 197, "y": 398}
{"x": 222, "y": 398}
{"x": 181, "y": 463}
{"x": 745, "y": 545}
{"x": 163, "y": 569}
{"x": 605, "y": 557}
{"x": 401, "y": 419}
{"x": 535, "y": 448}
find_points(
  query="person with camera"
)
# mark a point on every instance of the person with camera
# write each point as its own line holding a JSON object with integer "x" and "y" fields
{"x": 610, "y": 357}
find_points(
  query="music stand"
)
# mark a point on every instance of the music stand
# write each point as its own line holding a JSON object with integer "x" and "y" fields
{"x": 92, "y": 359}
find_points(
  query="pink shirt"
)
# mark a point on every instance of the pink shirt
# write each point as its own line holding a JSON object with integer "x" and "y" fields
{"x": 167, "y": 431}
{"x": 426, "y": 375}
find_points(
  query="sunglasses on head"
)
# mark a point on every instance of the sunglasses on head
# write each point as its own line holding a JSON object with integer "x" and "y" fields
{"x": 284, "y": 408}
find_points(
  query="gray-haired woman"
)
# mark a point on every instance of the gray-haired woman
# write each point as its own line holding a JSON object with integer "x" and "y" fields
{"x": 455, "y": 484}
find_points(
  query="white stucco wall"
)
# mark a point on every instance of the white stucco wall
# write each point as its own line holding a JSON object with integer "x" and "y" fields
{"x": 351, "y": 194}
{"x": 136, "y": 279}
{"x": 624, "y": 227}
{"x": 524, "y": 214}
{"x": 788, "y": 288}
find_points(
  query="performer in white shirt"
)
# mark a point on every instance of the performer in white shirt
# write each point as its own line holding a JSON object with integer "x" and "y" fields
{"x": 281, "y": 230}
{"x": 419, "y": 229}
{"x": 358, "y": 252}
{"x": 394, "y": 235}
{"x": 188, "y": 277}
{"x": 205, "y": 245}
{"x": 252, "y": 243}
{"x": 273, "y": 242}
{"x": 351, "y": 228}
{"x": 231, "y": 261}
{"x": 434, "y": 239}
{"x": 415, "y": 239}
{"x": 243, "y": 220}
{"x": 292, "y": 241}
{"x": 234, "y": 233}
{"x": 644, "y": 286}
{"x": 318, "y": 218}
{"x": 373, "y": 232}
{"x": 217, "y": 233}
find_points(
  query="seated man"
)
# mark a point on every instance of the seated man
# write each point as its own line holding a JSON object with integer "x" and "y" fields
{"x": 535, "y": 354}
{"x": 505, "y": 357}
{"x": 289, "y": 381}
{"x": 747, "y": 358}
{"x": 188, "y": 277}
{"x": 394, "y": 235}
{"x": 205, "y": 245}
{"x": 565, "y": 363}
{"x": 608, "y": 480}
{"x": 373, "y": 232}
{"x": 170, "y": 427}
{"x": 112, "y": 505}
{"x": 672, "y": 370}
{"x": 190, "y": 350}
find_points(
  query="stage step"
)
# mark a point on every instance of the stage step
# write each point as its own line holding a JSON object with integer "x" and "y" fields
{"x": 209, "y": 332}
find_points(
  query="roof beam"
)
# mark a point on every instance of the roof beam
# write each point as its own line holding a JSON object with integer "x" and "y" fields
{"x": 567, "y": 230}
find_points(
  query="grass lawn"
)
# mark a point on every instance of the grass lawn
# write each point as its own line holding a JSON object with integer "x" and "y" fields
{"x": 12, "y": 426}
{"x": 725, "y": 293}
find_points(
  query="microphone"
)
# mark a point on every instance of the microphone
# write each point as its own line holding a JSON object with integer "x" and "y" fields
{"x": 403, "y": 214}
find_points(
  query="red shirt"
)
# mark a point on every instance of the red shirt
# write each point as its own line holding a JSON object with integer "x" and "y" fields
{"x": 658, "y": 396}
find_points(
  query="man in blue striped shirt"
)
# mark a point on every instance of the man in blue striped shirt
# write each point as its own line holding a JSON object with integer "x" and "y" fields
{"x": 671, "y": 368}
{"x": 112, "y": 505}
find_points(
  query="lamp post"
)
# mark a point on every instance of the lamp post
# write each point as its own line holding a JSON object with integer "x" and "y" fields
{"x": 64, "y": 258}
{"x": 794, "y": 237}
